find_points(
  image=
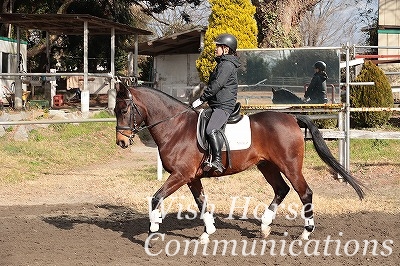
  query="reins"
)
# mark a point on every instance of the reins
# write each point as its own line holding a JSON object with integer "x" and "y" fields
{"x": 165, "y": 120}
{"x": 133, "y": 127}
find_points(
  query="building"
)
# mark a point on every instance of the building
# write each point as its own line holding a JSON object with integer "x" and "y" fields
{"x": 389, "y": 36}
{"x": 389, "y": 28}
{"x": 11, "y": 64}
{"x": 174, "y": 61}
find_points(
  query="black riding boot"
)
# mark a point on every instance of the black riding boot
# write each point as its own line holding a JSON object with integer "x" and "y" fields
{"x": 216, "y": 143}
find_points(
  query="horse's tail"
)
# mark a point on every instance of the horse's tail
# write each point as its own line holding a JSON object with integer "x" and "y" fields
{"x": 326, "y": 155}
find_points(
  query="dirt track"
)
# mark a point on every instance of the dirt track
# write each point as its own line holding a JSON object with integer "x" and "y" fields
{"x": 86, "y": 218}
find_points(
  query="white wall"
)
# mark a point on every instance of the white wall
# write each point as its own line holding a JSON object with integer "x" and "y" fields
{"x": 389, "y": 32}
{"x": 9, "y": 46}
{"x": 175, "y": 74}
{"x": 389, "y": 14}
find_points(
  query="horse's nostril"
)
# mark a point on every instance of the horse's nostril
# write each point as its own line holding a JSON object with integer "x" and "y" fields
{"x": 121, "y": 143}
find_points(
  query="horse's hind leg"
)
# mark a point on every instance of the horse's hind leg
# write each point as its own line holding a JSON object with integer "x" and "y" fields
{"x": 281, "y": 189}
{"x": 196, "y": 188}
{"x": 305, "y": 193}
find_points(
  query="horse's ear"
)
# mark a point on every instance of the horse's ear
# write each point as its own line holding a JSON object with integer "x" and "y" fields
{"x": 117, "y": 87}
{"x": 121, "y": 89}
{"x": 118, "y": 84}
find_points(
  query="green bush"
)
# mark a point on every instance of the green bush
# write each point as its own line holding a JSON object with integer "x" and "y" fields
{"x": 326, "y": 123}
{"x": 227, "y": 16}
{"x": 379, "y": 95}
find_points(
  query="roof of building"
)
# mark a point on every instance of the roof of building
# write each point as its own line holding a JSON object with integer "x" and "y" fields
{"x": 69, "y": 24}
{"x": 187, "y": 42}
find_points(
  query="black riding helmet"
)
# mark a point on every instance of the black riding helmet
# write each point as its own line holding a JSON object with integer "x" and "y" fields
{"x": 320, "y": 65}
{"x": 227, "y": 40}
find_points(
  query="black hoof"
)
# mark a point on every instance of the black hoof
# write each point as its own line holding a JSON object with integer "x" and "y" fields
{"x": 309, "y": 228}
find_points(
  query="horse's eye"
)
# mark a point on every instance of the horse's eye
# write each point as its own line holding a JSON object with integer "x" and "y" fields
{"x": 121, "y": 111}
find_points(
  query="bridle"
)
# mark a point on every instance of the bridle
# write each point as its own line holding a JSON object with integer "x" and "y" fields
{"x": 133, "y": 126}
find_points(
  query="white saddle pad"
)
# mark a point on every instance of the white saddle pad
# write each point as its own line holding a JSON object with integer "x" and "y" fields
{"x": 239, "y": 134}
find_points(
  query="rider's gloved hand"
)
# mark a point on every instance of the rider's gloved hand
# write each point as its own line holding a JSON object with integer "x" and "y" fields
{"x": 197, "y": 103}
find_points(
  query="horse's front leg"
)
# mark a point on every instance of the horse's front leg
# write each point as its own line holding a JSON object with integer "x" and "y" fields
{"x": 197, "y": 190}
{"x": 174, "y": 181}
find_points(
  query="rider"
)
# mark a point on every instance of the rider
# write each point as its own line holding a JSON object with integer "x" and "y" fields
{"x": 316, "y": 91}
{"x": 221, "y": 95}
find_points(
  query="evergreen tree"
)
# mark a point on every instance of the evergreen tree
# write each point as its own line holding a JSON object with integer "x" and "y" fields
{"x": 227, "y": 16}
{"x": 379, "y": 95}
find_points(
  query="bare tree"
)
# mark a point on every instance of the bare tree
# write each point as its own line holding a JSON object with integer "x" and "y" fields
{"x": 328, "y": 23}
{"x": 180, "y": 18}
{"x": 334, "y": 22}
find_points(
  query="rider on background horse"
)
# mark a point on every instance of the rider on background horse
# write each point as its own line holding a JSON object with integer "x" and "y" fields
{"x": 221, "y": 95}
{"x": 316, "y": 91}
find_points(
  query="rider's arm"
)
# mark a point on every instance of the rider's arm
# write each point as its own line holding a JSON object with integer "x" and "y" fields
{"x": 224, "y": 70}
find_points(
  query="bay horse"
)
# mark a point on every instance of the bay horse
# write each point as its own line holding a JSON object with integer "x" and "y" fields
{"x": 277, "y": 147}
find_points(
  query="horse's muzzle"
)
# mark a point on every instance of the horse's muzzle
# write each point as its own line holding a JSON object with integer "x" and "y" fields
{"x": 122, "y": 144}
{"x": 123, "y": 141}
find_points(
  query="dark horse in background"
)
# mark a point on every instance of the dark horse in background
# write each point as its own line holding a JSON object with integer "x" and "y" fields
{"x": 277, "y": 147}
{"x": 284, "y": 96}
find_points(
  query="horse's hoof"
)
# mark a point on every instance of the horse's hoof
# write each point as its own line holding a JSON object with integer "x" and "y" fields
{"x": 265, "y": 230}
{"x": 151, "y": 240}
{"x": 204, "y": 238}
{"x": 154, "y": 237}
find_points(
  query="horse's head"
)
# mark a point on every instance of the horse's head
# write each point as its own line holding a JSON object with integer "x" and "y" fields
{"x": 284, "y": 96}
{"x": 128, "y": 115}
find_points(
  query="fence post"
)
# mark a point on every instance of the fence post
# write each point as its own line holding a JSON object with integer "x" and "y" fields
{"x": 159, "y": 167}
{"x": 341, "y": 142}
{"x": 347, "y": 109}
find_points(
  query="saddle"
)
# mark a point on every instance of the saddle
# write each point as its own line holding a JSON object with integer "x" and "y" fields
{"x": 203, "y": 119}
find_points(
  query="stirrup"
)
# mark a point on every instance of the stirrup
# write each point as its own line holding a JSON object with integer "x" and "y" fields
{"x": 207, "y": 166}
{"x": 215, "y": 166}
{"x": 218, "y": 167}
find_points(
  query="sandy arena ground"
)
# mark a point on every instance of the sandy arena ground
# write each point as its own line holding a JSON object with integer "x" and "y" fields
{"x": 92, "y": 217}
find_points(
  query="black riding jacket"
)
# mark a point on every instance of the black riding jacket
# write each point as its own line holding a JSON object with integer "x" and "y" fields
{"x": 316, "y": 91}
{"x": 221, "y": 91}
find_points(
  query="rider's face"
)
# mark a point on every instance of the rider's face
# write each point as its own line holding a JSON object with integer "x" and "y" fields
{"x": 220, "y": 50}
